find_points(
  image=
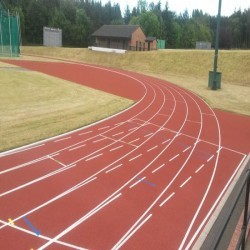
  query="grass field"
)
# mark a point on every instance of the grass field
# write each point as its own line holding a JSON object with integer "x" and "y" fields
{"x": 187, "y": 68}
{"x": 34, "y": 106}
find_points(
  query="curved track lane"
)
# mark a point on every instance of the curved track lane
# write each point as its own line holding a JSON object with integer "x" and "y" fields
{"x": 147, "y": 178}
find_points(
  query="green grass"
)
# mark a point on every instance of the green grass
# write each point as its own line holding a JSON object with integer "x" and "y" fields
{"x": 186, "y": 68}
{"x": 34, "y": 106}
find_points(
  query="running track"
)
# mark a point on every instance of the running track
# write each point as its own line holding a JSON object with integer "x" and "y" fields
{"x": 147, "y": 178}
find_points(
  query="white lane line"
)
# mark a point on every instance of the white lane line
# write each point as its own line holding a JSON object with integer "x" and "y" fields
{"x": 169, "y": 197}
{"x": 165, "y": 141}
{"x": 135, "y": 157}
{"x": 148, "y": 135}
{"x": 164, "y": 115}
{"x": 132, "y": 129}
{"x": 210, "y": 158}
{"x": 208, "y": 114}
{"x": 94, "y": 157}
{"x": 26, "y": 149}
{"x": 53, "y": 155}
{"x": 152, "y": 148}
{"x": 185, "y": 150}
{"x": 137, "y": 182}
{"x": 63, "y": 139}
{"x": 185, "y": 182}
{"x": 113, "y": 149}
{"x": 85, "y": 133}
{"x": 72, "y": 189}
{"x": 174, "y": 157}
{"x": 135, "y": 140}
{"x": 72, "y": 149}
{"x": 158, "y": 168}
{"x": 103, "y": 128}
{"x": 81, "y": 220}
{"x": 118, "y": 134}
{"x": 114, "y": 168}
{"x": 121, "y": 243}
{"x": 120, "y": 123}
{"x": 100, "y": 140}
{"x": 200, "y": 168}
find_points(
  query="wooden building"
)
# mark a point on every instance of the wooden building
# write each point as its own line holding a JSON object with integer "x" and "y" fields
{"x": 127, "y": 37}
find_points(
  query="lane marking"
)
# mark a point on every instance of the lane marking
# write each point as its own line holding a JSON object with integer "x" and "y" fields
{"x": 53, "y": 155}
{"x": 94, "y": 157}
{"x": 81, "y": 220}
{"x": 185, "y": 150}
{"x": 85, "y": 133}
{"x": 132, "y": 129}
{"x": 148, "y": 135}
{"x": 137, "y": 182}
{"x": 114, "y": 168}
{"x": 148, "y": 182}
{"x": 37, "y": 232}
{"x": 185, "y": 182}
{"x": 135, "y": 140}
{"x": 118, "y": 134}
{"x": 174, "y": 157}
{"x": 210, "y": 158}
{"x": 152, "y": 148}
{"x": 165, "y": 141}
{"x": 103, "y": 128}
{"x": 63, "y": 139}
{"x": 158, "y": 168}
{"x": 169, "y": 197}
{"x": 201, "y": 167}
{"x": 72, "y": 149}
{"x": 124, "y": 240}
{"x": 135, "y": 157}
{"x": 113, "y": 149}
{"x": 100, "y": 140}
{"x": 11, "y": 221}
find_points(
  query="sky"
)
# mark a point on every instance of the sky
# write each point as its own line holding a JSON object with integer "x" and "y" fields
{"x": 179, "y": 6}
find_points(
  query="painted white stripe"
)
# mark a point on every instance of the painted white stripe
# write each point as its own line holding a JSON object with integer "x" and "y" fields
{"x": 72, "y": 149}
{"x": 120, "y": 123}
{"x": 78, "y": 222}
{"x": 165, "y": 141}
{"x": 152, "y": 148}
{"x": 137, "y": 182}
{"x": 85, "y": 133}
{"x": 63, "y": 139}
{"x": 169, "y": 197}
{"x": 112, "y": 169}
{"x": 200, "y": 168}
{"x": 186, "y": 149}
{"x": 185, "y": 182}
{"x": 117, "y": 134}
{"x": 94, "y": 157}
{"x": 174, "y": 157}
{"x": 103, "y": 128}
{"x": 210, "y": 158}
{"x": 158, "y": 168}
{"x": 148, "y": 135}
{"x": 53, "y": 155}
{"x": 135, "y": 140}
{"x": 116, "y": 148}
{"x": 132, "y": 129}
{"x": 100, "y": 140}
{"x": 121, "y": 243}
{"x": 135, "y": 157}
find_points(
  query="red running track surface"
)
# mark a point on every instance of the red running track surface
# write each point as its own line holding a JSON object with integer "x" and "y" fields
{"x": 147, "y": 178}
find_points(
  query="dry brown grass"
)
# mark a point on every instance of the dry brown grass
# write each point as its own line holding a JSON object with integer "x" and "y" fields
{"x": 187, "y": 68}
{"x": 34, "y": 106}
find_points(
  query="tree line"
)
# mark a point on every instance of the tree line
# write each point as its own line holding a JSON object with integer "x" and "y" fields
{"x": 80, "y": 18}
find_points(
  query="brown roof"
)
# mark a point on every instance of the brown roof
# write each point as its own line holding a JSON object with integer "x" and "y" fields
{"x": 119, "y": 31}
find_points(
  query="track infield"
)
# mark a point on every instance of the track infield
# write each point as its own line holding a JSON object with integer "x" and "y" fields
{"x": 147, "y": 178}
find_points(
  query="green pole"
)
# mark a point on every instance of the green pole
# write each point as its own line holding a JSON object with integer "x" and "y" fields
{"x": 217, "y": 46}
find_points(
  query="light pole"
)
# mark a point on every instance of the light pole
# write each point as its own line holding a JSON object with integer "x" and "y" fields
{"x": 214, "y": 86}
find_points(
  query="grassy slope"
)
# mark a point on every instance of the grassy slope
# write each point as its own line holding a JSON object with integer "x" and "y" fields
{"x": 187, "y": 68}
{"x": 34, "y": 106}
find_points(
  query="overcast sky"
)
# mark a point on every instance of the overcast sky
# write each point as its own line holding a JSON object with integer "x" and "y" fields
{"x": 179, "y": 6}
